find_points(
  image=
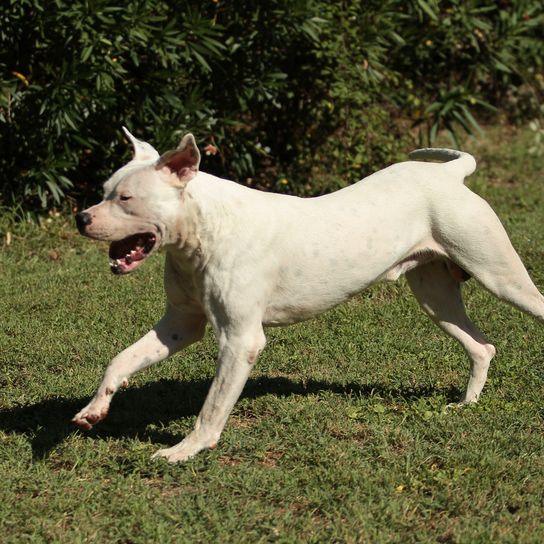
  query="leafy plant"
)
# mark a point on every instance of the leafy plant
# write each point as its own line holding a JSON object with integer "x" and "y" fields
{"x": 301, "y": 96}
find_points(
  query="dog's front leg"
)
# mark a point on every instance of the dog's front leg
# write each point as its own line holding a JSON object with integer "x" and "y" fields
{"x": 236, "y": 359}
{"x": 172, "y": 333}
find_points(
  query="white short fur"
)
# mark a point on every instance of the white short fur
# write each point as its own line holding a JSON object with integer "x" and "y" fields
{"x": 241, "y": 259}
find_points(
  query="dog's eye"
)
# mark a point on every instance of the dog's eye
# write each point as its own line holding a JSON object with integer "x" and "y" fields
{"x": 124, "y": 198}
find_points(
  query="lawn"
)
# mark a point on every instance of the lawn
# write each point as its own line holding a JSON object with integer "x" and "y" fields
{"x": 341, "y": 435}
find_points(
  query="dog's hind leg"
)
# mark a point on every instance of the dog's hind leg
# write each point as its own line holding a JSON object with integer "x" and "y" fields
{"x": 439, "y": 294}
{"x": 175, "y": 331}
{"x": 474, "y": 238}
{"x": 504, "y": 275}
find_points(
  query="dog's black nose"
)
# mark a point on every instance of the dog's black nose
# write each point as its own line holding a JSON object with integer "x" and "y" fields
{"x": 82, "y": 220}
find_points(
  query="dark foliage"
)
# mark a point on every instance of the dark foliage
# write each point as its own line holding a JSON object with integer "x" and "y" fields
{"x": 301, "y": 96}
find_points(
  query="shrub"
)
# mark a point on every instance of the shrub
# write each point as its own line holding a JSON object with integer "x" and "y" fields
{"x": 301, "y": 95}
{"x": 75, "y": 71}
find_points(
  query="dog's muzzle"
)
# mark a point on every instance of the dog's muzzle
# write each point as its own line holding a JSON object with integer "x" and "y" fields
{"x": 82, "y": 220}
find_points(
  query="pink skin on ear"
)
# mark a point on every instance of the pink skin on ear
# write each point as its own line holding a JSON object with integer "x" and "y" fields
{"x": 182, "y": 162}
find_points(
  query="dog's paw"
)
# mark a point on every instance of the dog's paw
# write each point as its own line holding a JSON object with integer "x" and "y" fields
{"x": 186, "y": 449}
{"x": 460, "y": 404}
{"x": 87, "y": 419}
{"x": 173, "y": 456}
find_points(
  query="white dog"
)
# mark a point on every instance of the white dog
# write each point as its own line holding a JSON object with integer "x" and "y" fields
{"x": 242, "y": 259}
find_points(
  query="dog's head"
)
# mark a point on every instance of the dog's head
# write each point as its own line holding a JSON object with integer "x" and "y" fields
{"x": 141, "y": 203}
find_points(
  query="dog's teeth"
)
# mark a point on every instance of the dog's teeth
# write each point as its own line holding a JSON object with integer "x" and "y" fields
{"x": 114, "y": 265}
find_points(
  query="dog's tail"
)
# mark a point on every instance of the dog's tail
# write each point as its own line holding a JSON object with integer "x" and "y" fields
{"x": 463, "y": 163}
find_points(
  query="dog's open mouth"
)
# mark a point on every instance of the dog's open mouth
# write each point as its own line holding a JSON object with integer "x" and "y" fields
{"x": 128, "y": 253}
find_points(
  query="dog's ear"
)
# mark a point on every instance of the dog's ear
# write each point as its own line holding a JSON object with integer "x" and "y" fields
{"x": 142, "y": 150}
{"x": 182, "y": 162}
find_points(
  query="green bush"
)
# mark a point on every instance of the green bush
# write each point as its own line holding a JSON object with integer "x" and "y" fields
{"x": 467, "y": 56}
{"x": 301, "y": 96}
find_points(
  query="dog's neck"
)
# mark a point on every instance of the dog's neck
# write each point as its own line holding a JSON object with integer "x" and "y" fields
{"x": 208, "y": 215}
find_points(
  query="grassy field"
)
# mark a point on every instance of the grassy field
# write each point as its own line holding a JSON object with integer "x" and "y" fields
{"x": 341, "y": 434}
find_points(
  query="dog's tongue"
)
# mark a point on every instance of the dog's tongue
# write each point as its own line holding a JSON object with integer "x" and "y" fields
{"x": 134, "y": 255}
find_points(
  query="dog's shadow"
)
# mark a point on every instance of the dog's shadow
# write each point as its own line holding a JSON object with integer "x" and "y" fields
{"x": 47, "y": 423}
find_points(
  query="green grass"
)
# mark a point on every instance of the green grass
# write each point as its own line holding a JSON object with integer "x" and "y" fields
{"x": 341, "y": 434}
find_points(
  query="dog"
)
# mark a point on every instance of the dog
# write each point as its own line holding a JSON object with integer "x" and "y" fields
{"x": 242, "y": 259}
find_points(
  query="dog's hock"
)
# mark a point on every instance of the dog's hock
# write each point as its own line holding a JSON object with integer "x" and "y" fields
{"x": 142, "y": 150}
{"x": 181, "y": 164}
